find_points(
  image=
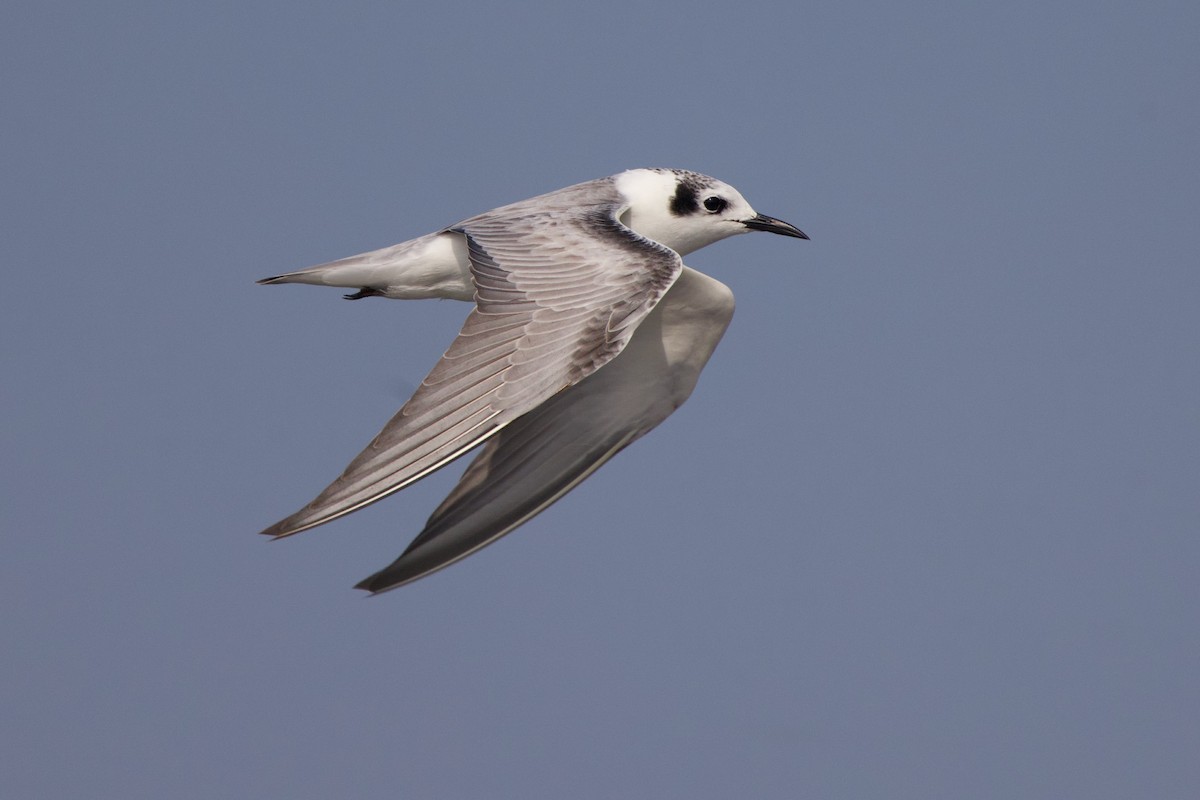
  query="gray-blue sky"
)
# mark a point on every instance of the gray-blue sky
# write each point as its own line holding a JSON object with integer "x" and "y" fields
{"x": 949, "y": 549}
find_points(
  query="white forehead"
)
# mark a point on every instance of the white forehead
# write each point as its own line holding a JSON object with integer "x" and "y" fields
{"x": 646, "y": 188}
{"x": 654, "y": 188}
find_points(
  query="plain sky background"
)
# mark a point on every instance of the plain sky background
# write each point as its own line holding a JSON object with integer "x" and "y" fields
{"x": 929, "y": 527}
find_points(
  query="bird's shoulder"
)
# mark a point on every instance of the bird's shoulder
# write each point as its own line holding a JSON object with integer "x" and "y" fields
{"x": 579, "y": 224}
{"x": 571, "y": 202}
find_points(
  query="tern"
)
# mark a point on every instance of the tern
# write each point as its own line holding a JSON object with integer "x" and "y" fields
{"x": 587, "y": 332}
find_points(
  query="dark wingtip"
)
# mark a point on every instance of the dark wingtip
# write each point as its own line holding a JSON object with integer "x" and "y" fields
{"x": 366, "y": 585}
{"x": 282, "y": 529}
{"x": 385, "y": 580}
{"x": 272, "y": 279}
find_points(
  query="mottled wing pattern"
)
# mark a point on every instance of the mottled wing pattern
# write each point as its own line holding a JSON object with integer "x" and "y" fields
{"x": 559, "y": 292}
{"x": 545, "y": 453}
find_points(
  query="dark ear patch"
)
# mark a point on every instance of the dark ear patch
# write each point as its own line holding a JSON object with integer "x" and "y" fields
{"x": 684, "y": 201}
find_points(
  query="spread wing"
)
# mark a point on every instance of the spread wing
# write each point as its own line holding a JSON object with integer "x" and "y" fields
{"x": 559, "y": 293}
{"x": 520, "y": 472}
{"x": 546, "y": 453}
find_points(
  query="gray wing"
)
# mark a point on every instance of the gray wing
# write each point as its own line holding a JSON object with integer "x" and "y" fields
{"x": 547, "y": 452}
{"x": 558, "y": 295}
{"x": 520, "y": 472}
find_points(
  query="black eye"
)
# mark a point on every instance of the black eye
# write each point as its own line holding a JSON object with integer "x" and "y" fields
{"x": 715, "y": 204}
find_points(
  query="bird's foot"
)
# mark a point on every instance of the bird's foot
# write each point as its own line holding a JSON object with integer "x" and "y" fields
{"x": 366, "y": 291}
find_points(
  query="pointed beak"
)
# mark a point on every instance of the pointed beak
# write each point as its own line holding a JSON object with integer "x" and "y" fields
{"x": 771, "y": 225}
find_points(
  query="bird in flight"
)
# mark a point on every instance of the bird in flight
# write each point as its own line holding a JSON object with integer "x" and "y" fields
{"x": 587, "y": 331}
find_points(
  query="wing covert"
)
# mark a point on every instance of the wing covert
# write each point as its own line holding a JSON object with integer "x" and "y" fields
{"x": 559, "y": 293}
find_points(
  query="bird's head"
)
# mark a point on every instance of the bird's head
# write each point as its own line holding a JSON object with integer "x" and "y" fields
{"x": 686, "y": 210}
